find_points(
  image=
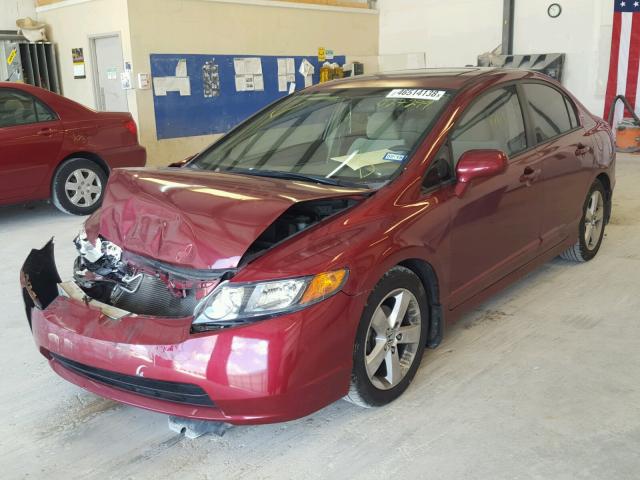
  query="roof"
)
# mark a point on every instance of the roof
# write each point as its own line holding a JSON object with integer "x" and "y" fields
{"x": 450, "y": 78}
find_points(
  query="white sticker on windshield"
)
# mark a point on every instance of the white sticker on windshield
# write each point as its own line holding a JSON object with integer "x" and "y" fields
{"x": 416, "y": 93}
{"x": 394, "y": 157}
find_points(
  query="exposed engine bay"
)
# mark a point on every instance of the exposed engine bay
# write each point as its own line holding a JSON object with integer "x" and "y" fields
{"x": 294, "y": 220}
{"x": 105, "y": 274}
{"x": 143, "y": 286}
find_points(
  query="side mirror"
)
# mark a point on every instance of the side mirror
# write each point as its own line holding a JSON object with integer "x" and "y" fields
{"x": 477, "y": 164}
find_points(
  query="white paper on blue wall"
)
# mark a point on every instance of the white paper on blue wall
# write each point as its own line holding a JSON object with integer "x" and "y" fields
{"x": 291, "y": 66}
{"x": 258, "y": 83}
{"x": 162, "y": 85}
{"x": 181, "y": 68}
{"x": 282, "y": 83}
{"x": 179, "y": 83}
{"x": 253, "y": 65}
{"x": 239, "y": 66}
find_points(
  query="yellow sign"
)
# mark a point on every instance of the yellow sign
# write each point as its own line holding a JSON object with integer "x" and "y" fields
{"x": 322, "y": 56}
{"x": 12, "y": 56}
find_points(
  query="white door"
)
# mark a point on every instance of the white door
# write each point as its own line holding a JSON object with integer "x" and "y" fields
{"x": 108, "y": 67}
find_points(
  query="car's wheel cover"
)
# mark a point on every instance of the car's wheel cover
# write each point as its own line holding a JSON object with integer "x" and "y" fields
{"x": 393, "y": 339}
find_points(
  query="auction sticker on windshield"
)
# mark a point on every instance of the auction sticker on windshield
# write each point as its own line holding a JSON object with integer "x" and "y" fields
{"x": 416, "y": 93}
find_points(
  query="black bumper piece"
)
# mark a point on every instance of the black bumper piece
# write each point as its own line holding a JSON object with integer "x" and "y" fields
{"x": 184, "y": 393}
{"x": 39, "y": 279}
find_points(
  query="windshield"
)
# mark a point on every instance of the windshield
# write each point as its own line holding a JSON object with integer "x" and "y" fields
{"x": 356, "y": 137}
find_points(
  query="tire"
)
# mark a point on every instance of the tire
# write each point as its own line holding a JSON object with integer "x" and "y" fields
{"x": 87, "y": 197}
{"x": 375, "y": 338}
{"x": 591, "y": 228}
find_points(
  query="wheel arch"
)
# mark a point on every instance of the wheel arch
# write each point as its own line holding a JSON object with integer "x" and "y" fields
{"x": 87, "y": 156}
{"x": 429, "y": 278}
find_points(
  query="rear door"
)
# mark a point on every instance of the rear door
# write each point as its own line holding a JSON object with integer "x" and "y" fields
{"x": 30, "y": 141}
{"x": 567, "y": 155}
{"x": 496, "y": 224}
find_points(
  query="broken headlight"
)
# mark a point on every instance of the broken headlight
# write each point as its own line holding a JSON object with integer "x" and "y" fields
{"x": 234, "y": 303}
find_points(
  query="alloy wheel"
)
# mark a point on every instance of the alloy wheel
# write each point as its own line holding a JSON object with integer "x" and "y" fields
{"x": 594, "y": 220}
{"x": 393, "y": 338}
{"x": 83, "y": 187}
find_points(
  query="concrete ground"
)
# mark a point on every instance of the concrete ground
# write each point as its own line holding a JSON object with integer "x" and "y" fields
{"x": 543, "y": 382}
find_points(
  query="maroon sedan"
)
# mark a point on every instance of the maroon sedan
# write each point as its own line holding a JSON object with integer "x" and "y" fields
{"x": 52, "y": 147}
{"x": 317, "y": 249}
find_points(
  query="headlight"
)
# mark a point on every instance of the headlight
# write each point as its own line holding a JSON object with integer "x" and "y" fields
{"x": 230, "y": 303}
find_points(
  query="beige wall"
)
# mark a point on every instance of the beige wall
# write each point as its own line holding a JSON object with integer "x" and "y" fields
{"x": 11, "y": 10}
{"x": 71, "y": 27}
{"x": 204, "y": 27}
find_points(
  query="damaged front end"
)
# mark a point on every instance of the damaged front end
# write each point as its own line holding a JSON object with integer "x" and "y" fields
{"x": 139, "y": 285}
{"x": 164, "y": 244}
{"x": 118, "y": 286}
{"x": 120, "y": 283}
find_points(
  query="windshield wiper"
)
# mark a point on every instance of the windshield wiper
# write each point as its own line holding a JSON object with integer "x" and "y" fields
{"x": 299, "y": 176}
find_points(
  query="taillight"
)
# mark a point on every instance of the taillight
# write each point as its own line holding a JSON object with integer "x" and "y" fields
{"x": 132, "y": 127}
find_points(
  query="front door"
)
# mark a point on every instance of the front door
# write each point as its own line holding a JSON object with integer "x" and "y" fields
{"x": 108, "y": 67}
{"x": 496, "y": 227}
{"x": 30, "y": 140}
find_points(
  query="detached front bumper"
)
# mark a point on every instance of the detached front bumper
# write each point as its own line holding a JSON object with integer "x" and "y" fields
{"x": 269, "y": 371}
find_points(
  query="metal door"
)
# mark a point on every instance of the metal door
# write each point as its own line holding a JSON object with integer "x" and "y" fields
{"x": 110, "y": 96}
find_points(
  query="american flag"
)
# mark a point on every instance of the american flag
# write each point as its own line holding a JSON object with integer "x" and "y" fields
{"x": 624, "y": 63}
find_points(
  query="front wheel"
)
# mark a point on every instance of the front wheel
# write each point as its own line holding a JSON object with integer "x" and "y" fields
{"x": 78, "y": 186}
{"x": 390, "y": 340}
{"x": 591, "y": 229}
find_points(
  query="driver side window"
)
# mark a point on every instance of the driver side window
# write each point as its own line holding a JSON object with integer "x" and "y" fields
{"x": 494, "y": 122}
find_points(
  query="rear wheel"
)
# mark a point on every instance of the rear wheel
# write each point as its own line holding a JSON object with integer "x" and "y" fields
{"x": 390, "y": 340}
{"x": 591, "y": 228}
{"x": 78, "y": 186}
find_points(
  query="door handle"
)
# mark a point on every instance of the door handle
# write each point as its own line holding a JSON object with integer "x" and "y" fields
{"x": 582, "y": 149}
{"x": 46, "y": 132}
{"x": 530, "y": 175}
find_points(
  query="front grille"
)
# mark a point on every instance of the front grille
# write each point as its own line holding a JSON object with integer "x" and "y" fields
{"x": 176, "y": 392}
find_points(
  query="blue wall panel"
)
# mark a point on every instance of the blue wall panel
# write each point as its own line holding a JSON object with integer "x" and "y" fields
{"x": 184, "y": 116}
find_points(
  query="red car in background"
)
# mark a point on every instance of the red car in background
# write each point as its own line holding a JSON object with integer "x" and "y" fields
{"x": 53, "y": 147}
{"x": 314, "y": 252}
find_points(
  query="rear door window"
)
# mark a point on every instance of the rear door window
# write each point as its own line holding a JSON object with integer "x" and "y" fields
{"x": 494, "y": 122}
{"x": 551, "y": 112}
{"x": 17, "y": 108}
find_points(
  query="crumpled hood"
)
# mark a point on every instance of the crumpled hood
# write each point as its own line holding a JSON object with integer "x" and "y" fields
{"x": 192, "y": 218}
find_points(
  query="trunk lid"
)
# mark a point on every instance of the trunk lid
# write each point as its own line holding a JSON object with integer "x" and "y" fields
{"x": 196, "y": 219}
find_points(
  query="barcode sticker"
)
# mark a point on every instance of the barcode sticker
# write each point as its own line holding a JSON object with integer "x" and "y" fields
{"x": 416, "y": 93}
